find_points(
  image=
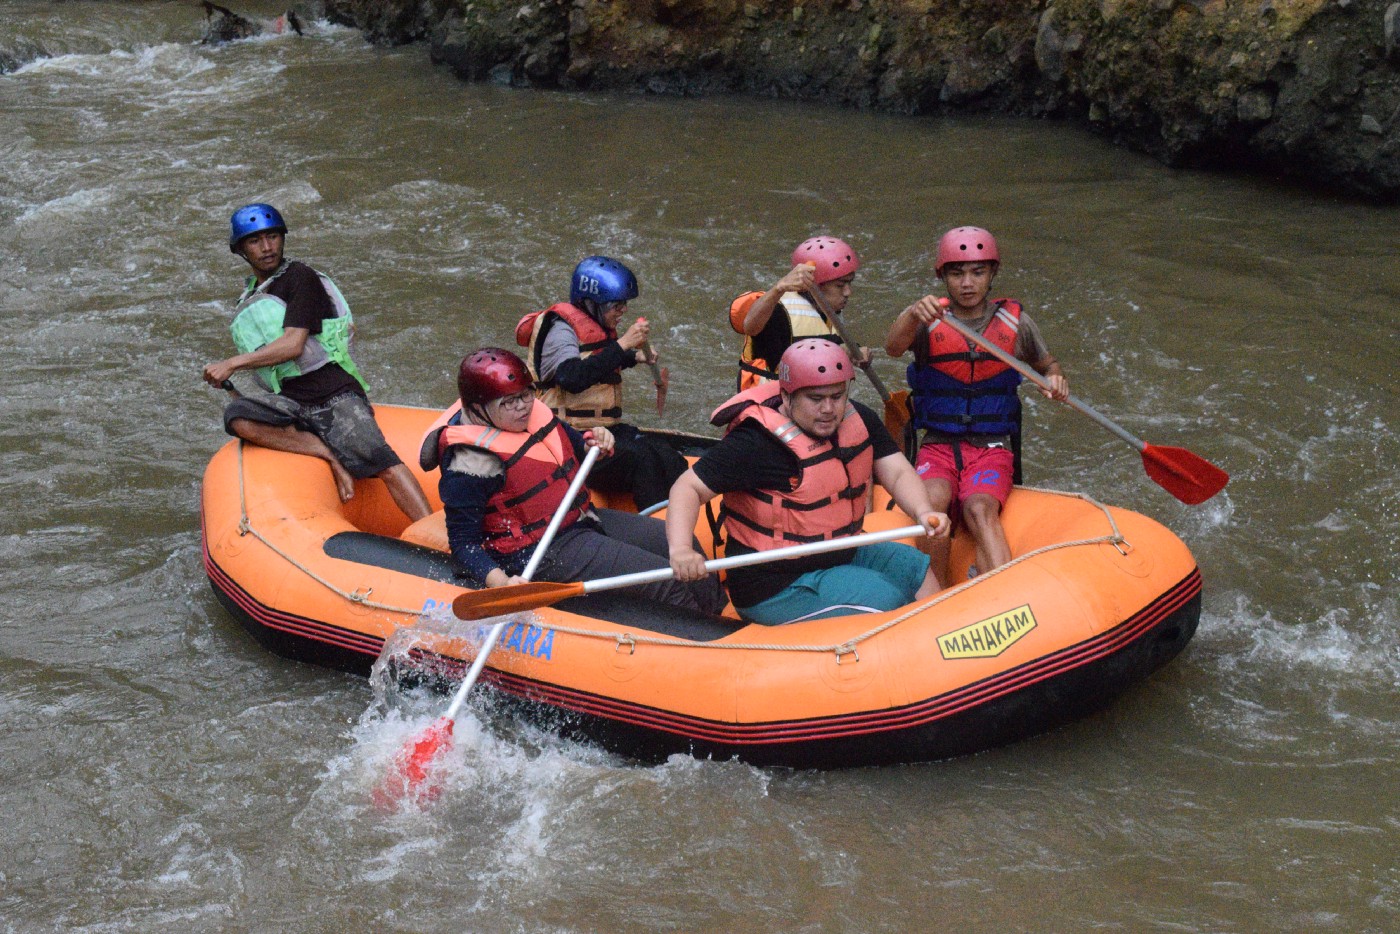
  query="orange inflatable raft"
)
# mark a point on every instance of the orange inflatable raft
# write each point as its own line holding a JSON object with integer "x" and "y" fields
{"x": 1096, "y": 599}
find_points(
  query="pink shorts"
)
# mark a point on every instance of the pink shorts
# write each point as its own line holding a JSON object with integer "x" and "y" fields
{"x": 984, "y": 470}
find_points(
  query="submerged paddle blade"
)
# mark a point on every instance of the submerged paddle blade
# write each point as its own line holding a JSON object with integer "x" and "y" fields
{"x": 1189, "y": 477}
{"x": 516, "y": 598}
{"x": 412, "y": 766}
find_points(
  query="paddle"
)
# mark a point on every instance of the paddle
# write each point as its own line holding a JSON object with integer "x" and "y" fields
{"x": 896, "y": 404}
{"x": 482, "y": 603}
{"x": 413, "y": 760}
{"x": 1187, "y": 476}
{"x": 655, "y": 508}
{"x": 851, "y": 347}
{"x": 660, "y": 376}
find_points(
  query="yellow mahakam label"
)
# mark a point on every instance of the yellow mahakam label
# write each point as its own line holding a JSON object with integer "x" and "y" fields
{"x": 988, "y": 638}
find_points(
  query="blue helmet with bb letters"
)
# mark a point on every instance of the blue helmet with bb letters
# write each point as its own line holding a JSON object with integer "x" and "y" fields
{"x": 603, "y": 280}
{"x": 251, "y": 219}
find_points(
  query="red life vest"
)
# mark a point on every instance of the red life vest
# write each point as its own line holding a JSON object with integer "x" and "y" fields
{"x": 827, "y": 499}
{"x": 599, "y": 404}
{"x": 539, "y": 464}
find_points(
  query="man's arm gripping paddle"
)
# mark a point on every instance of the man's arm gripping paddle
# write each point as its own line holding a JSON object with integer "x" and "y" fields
{"x": 1187, "y": 476}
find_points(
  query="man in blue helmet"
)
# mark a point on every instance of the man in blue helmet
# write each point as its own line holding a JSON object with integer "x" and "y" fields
{"x": 577, "y": 359}
{"x": 293, "y": 328}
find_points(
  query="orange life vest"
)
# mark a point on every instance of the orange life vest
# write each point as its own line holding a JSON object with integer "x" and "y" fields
{"x": 828, "y": 496}
{"x": 599, "y": 404}
{"x": 539, "y": 465}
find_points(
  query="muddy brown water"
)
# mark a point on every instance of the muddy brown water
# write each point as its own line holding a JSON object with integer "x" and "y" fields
{"x": 160, "y": 771}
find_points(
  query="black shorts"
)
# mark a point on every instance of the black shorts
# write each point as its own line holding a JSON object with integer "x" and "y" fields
{"x": 345, "y": 422}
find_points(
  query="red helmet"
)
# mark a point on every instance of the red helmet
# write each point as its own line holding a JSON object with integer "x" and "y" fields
{"x": 833, "y": 258}
{"x": 490, "y": 373}
{"x": 965, "y": 245}
{"x": 814, "y": 361}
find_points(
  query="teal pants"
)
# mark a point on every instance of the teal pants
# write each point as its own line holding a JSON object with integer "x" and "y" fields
{"x": 881, "y": 577}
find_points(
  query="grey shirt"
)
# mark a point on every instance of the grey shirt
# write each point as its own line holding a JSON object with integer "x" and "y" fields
{"x": 561, "y": 343}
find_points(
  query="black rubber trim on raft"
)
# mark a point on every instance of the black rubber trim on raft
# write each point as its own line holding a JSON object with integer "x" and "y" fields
{"x": 1006, "y": 707}
{"x": 291, "y": 636}
{"x": 1010, "y": 706}
{"x": 318, "y": 643}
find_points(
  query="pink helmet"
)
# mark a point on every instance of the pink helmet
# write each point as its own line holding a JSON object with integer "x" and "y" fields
{"x": 833, "y": 258}
{"x": 814, "y": 361}
{"x": 965, "y": 245}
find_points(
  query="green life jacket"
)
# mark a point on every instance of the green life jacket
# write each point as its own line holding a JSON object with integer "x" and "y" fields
{"x": 258, "y": 321}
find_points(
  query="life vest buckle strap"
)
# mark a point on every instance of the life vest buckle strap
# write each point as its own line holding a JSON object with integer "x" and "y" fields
{"x": 757, "y": 370}
{"x": 807, "y": 507}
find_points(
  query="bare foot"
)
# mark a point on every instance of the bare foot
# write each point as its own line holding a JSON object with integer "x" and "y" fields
{"x": 344, "y": 483}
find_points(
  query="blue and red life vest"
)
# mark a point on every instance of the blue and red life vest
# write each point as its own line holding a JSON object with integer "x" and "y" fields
{"x": 961, "y": 389}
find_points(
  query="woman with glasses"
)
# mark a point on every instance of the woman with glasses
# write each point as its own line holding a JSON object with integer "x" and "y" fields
{"x": 506, "y": 463}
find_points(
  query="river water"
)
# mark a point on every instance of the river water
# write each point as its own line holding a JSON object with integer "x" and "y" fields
{"x": 160, "y": 771}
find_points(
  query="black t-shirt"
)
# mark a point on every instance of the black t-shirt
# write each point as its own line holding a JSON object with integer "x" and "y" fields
{"x": 751, "y": 458}
{"x": 308, "y": 305}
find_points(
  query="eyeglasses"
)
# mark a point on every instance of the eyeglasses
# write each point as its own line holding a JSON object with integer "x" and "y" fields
{"x": 520, "y": 400}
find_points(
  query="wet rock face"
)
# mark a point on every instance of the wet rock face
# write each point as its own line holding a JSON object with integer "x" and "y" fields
{"x": 1307, "y": 89}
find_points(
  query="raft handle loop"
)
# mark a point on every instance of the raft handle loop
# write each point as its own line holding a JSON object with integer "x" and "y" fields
{"x": 1124, "y": 546}
{"x": 848, "y": 648}
{"x": 244, "y": 526}
{"x": 626, "y": 640}
{"x": 357, "y": 596}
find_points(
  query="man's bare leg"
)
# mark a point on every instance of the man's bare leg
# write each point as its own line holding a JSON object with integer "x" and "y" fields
{"x": 940, "y": 494}
{"x": 295, "y": 441}
{"x": 403, "y": 487}
{"x": 982, "y": 513}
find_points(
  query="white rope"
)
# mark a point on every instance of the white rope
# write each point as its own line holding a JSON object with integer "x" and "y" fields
{"x": 632, "y": 639}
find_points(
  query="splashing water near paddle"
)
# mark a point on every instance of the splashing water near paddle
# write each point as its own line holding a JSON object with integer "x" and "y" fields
{"x": 414, "y": 668}
{"x": 414, "y": 762}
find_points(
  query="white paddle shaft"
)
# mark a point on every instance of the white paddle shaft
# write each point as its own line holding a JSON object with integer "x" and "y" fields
{"x": 757, "y": 557}
{"x": 550, "y": 531}
{"x": 1029, "y": 372}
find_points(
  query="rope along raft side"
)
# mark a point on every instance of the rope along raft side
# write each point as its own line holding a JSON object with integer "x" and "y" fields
{"x": 1095, "y": 600}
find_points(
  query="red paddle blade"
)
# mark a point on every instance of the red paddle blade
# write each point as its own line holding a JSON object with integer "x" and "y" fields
{"x": 412, "y": 766}
{"x": 1189, "y": 477}
{"x": 516, "y": 598}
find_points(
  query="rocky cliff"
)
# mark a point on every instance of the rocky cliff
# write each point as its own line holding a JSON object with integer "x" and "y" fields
{"x": 1307, "y": 90}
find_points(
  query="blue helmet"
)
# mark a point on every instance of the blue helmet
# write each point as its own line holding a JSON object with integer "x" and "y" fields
{"x": 251, "y": 219}
{"x": 603, "y": 280}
